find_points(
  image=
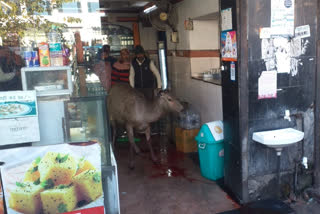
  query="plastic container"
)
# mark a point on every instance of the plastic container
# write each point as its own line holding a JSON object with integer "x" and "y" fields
{"x": 55, "y": 47}
{"x": 189, "y": 118}
{"x": 27, "y": 56}
{"x": 211, "y": 150}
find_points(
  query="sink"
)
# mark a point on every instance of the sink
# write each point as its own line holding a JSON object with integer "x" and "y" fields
{"x": 279, "y": 138}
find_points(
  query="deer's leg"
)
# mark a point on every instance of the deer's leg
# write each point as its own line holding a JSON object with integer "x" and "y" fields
{"x": 148, "y": 133}
{"x": 131, "y": 158}
{"x": 133, "y": 146}
{"x": 131, "y": 138}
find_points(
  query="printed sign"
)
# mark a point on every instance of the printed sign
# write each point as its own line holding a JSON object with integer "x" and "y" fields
{"x": 267, "y": 85}
{"x": 282, "y": 17}
{"x": 15, "y": 104}
{"x": 226, "y": 19}
{"x": 229, "y": 46}
{"x": 53, "y": 179}
{"x": 302, "y": 31}
{"x": 232, "y": 71}
{"x": 18, "y": 117}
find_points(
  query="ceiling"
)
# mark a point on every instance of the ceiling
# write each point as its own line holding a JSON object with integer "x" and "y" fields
{"x": 126, "y": 6}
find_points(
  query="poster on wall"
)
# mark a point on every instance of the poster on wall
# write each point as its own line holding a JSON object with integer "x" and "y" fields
{"x": 226, "y": 19}
{"x": 267, "y": 85}
{"x": 53, "y": 179}
{"x": 18, "y": 117}
{"x": 282, "y": 17}
{"x": 229, "y": 46}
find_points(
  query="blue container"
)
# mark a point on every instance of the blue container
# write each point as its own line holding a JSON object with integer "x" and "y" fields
{"x": 35, "y": 58}
{"x": 27, "y": 56}
{"x": 211, "y": 150}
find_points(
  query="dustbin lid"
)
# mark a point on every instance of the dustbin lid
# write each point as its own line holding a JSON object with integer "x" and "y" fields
{"x": 211, "y": 132}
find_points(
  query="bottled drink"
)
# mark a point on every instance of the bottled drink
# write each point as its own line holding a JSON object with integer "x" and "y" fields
{"x": 55, "y": 47}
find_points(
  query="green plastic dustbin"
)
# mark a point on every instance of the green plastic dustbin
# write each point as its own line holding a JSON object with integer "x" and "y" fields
{"x": 211, "y": 150}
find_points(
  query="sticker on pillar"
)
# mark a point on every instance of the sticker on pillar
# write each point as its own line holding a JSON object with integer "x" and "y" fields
{"x": 226, "y": 19}
{"x": 282, "y": 54}
{"x": 267, "y": 49}
{"x": 282, "y": 17}
{"x": 302, "y": 31}
{"x": 232, "y": 71}
{"x": 267, "y": 85}
{"x": 295, "y": 47}
{"x": 229, "y": 46}
{"x": 265, "y": 33}
{"x": 53, "y": 179}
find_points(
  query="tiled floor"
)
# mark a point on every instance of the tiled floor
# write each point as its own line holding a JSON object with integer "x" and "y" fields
{"x": 175, "y": 186}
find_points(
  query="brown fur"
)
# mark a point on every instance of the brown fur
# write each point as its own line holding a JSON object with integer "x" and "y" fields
{"x": 128, "y": 107}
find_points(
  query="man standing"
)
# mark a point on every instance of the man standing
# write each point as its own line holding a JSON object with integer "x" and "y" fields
{"x": 143, "y": 73}
{"x": 106, "y": 55}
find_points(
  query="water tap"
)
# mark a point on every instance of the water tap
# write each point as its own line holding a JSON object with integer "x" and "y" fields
{"x": 287, "y": 115}
{"x": 305, "y": 162}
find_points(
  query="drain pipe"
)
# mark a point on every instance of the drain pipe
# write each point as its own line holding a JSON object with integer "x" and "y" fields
{"x": 302, "y": 158}
{"x": 278, "y": 172}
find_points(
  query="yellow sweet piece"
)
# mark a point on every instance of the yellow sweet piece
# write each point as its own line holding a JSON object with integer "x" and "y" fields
{"x": 26, "y": 198}
{"x": 58, "y": 167}
{"x": 59, "y": 200}
{"x": 84, "y": 165}
{"x": 32, "y": 173}
{"x": 88, "y": 185}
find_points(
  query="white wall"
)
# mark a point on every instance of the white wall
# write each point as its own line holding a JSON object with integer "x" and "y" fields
{"x": 205, "y": 97}
{"x": 205, "y": 35}
{"x": 191, "y": 9}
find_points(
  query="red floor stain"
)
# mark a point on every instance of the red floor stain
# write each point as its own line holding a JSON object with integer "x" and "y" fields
{"x": 165, "y": 171}
{"x": 235, "y": 204}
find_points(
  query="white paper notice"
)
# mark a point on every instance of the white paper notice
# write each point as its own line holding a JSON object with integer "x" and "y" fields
{"x": 282, "y": 53}
{"x": 226, "y": 19}
{"x": 267, "y": 85}
{"x": 265, "y": 33}
{"x": 296, "y": 47}
{"x": 282, "y": 17}
{"x": 302, "y": 31}
{"x": 267, "y": 49}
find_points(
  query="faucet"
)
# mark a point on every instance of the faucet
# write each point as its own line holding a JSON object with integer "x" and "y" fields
{"x": 287, "y": 115}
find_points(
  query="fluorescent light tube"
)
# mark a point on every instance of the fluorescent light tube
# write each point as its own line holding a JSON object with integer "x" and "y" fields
{"x": 150, "y": 9}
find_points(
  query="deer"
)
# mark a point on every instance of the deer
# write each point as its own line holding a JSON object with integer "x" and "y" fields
{"x": 130, "y": 108}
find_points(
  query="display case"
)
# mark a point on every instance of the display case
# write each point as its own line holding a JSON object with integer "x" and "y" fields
{"x": 86, "y": 119}
{"x": 47, "y": 81}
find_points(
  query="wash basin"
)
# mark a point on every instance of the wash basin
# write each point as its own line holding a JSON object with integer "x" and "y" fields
{"x": 279, "y": 138}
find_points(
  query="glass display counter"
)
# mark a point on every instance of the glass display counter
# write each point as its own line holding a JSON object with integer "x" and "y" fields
{"x": 47, "y": 81}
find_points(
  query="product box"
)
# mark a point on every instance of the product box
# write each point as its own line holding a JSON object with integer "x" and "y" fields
{"x": 44, "y": 54}
{"x": 185, "y": 140}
